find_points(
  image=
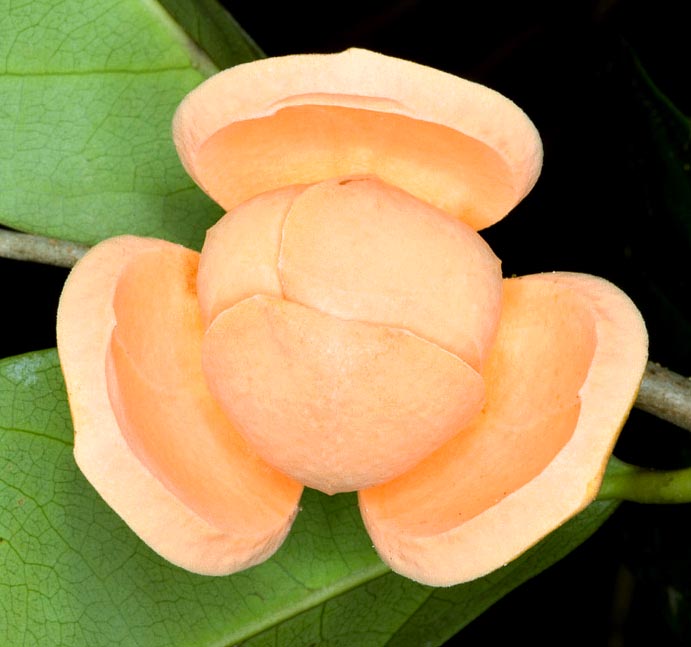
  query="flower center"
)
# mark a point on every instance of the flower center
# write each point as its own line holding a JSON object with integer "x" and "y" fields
{"x": 348, "y": 325}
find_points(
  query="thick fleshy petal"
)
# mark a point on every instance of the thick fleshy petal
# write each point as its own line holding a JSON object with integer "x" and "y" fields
{"x": 149, "y": 437}
{"x": 337, "y": 405}
{"x": 361, "y": 249}
{"x": 301, "y": 119}
{"x": 569, "y": 357}
{"x": 240, "y": 254}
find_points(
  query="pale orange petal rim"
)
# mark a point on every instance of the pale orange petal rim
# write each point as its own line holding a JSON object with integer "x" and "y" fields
{"x": 505, "y": 144}
{"x": 565, "y": 486}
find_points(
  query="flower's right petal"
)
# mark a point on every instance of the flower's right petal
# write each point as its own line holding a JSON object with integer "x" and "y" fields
{"x": 564, "y": 372}
{"x": 148, "y": 435}
{"x": 301, "y": 119}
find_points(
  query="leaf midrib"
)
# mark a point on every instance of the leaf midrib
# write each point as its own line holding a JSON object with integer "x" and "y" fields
{"x": 199, "y": 59}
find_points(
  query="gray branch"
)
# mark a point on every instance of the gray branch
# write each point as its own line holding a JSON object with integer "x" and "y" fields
{"x": 25, "y": 247}
{"x": 666, "y": 394}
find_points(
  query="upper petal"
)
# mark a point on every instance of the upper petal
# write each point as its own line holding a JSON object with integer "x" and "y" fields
{"x": 149, "y": 436}
{"x": 360, "y": 249}
{"x": 300, "y": 119}
{"x": 569, "y": 357}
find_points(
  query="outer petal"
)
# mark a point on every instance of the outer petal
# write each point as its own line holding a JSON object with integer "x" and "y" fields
{"x": 338, "y": 405}
{"x": 569, "y": 357}
{"x": 300, "y": 119}
{"x": 148, "y": 435}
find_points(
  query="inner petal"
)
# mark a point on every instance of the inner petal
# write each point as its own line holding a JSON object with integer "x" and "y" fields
{"x": 338, "y": 405}
{"x": 360, "y": 249}
{"x": 164, "y": 408}
{"x": 240, "y": 254}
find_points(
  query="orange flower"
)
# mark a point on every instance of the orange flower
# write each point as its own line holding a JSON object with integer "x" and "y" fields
{"x": 346, "y": 328}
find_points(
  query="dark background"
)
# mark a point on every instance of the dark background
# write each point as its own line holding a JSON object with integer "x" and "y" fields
{"x": 613, "y": 200}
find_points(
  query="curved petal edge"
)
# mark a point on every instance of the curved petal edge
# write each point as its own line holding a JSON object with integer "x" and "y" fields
{"x": 304, "y": 118}
{"x": 400, "y": 517}
{"x": 151, "y": 509}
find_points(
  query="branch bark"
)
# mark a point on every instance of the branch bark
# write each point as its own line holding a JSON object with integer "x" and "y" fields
{"x": 666, "y": 394}
{"x": 38, "y": 249}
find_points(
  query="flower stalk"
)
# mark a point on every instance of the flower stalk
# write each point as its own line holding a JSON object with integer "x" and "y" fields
{"x": 627, "y": 482}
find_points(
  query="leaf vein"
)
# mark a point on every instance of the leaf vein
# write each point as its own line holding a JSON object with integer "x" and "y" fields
{"x": 38, "y": 434}
{"x": 96, "y": 72}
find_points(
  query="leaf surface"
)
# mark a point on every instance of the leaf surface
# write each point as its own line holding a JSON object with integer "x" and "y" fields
{"x": 89, "y": 89}
{"x": 74, "y": 574}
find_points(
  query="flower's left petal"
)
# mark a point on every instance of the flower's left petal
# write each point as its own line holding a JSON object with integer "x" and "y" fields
{"x": 149, "y": 437}
{"x": 564, "y": 372}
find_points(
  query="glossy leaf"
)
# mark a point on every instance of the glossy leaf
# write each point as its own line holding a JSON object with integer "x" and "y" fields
{"x": 74, "y": 574}
{"x": 214, "y": 30}
{"x": 89, "y": 89}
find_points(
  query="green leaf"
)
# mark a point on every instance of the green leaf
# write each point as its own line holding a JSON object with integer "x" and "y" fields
{"x": 73, "y": 574}
{"x": 89, "y": 89}
{"x": 214, "y": 30}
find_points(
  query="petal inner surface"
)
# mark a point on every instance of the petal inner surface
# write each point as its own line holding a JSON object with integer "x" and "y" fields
{"x": 310, "y": 143}
{"x": 543, "y": 351}
{"x": 164, "y": 408}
